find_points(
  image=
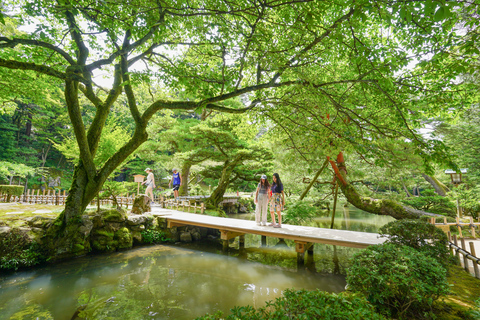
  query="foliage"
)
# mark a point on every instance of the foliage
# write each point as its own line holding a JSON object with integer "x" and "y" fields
{"x": 153, "y": 236}
{"x": 419, "y": 235}
{"x": 299, "y": 212}
{"x": 112, "y": 139}
{"x": 469, "y": 198}
{"x": 113, "y": 189}
{"x": 303, "y": 304}
{"x": 398, "y": 280}
{"x": 429, "y": 201}
{"x": 11, "y": 190}
{"x": 18, "y": 251}
{"x": 248, "y": 203}
{"x": 9, "y": 169}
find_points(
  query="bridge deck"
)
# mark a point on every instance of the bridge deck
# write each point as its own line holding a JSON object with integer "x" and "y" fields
{"x": 235, "y": 227}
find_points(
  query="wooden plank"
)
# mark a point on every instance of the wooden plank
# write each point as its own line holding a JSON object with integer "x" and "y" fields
{"x": 306, "y": 234}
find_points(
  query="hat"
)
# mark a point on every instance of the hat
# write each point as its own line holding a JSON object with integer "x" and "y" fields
{"x": 174, "y": 169}
{"x": 264, "y": 176}
{"x": 148, "y": 169}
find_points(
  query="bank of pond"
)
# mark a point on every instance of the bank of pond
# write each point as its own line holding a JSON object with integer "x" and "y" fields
{"x": 187, "y": 280}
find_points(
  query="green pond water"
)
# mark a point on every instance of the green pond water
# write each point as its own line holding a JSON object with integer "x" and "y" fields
{"x": 178, "y": 281}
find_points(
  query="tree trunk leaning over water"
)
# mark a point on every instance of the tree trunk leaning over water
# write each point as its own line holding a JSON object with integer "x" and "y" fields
{"x": 375, "y": 206}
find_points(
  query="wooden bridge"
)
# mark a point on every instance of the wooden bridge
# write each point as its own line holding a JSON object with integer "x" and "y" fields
{"x": 304, "y": 237}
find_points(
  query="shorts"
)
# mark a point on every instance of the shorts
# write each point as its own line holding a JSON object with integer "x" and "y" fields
{"x": 176, "y": 187}
{"x": 276, "y": 202}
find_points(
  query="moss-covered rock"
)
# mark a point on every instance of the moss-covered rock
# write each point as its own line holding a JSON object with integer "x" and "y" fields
{"x": 113, "y": 215}
{"x": 124, "y": 238}
{"x": 141, "y": 204}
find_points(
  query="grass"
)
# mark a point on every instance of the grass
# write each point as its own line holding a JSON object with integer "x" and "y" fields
{"x": 14, "y": 215}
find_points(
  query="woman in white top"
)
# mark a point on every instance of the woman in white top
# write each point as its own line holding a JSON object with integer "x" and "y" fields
{"x": 150, "y": 183}
{"x": 262, "y": 196}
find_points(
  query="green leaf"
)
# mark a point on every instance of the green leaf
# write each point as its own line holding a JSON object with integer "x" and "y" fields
{"x": 440, "y": 14}
{"x": 2, "y": 20}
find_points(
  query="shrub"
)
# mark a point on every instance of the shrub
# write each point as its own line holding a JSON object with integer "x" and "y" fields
{"x": 303, "y": 304}
{"x": 17, "y": 251}
{"x": 419, "y": 235}
{"x": 153, "y": 236}
{"x": 397, "y": 279}
{"x": 11, "y": 191}
{"x": 248, "y": 203}
{"x": 300, "y": 211}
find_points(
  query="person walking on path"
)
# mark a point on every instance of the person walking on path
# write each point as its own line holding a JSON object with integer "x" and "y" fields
{"x": 150, "y": 183}
{"x": 277, "y": 202}
{"x": 177, "y": 182}
{"x": 261, "y": 200}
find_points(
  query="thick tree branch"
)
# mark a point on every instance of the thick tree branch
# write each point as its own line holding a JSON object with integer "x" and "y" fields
{"x": 11, "y": 43}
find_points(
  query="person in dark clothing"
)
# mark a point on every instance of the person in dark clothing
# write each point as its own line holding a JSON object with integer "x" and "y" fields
{"x": 277, "y": 201}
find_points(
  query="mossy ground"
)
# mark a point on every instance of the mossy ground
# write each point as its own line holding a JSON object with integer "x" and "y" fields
{"x": 464, "y": 292}
{"x": 13, "y": 215}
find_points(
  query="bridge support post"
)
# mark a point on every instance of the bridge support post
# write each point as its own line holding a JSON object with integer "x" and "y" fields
{"x": 300, "y": 248}
{"x": 241, "y": 241}
{"x": 264, "y": 241}
{"x": 225, "y": 245}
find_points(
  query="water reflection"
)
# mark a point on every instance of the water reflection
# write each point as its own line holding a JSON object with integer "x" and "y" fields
{"x": 158, "y": 282}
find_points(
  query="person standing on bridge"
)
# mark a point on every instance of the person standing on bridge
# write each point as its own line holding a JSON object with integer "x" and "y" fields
{"x": 150, "y": 183}
{"x": 261, "y": 200}
{"x": 277, "y": 202}
{"x": 177, "y": 182}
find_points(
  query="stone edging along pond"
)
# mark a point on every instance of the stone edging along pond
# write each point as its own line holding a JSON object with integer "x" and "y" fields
{"x": 22, "y": 243}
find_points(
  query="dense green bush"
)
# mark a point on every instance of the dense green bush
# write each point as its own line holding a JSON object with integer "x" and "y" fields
{"x": 303, "y": 304}
{"x": 18, "y": 251}
{"x": 398, "y": 280}
{"x": 431, "y": 202}
{"x": 419, "y": 235}
{"x": 11, "y": 191}
{"x": 299, "y": 212}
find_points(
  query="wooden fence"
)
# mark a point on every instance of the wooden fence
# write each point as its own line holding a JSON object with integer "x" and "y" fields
{"x": 445, "y": 226}
{"x": 466, "y": 256}
{"x": 186, "y": 206}
{"x": 58, "y": 198}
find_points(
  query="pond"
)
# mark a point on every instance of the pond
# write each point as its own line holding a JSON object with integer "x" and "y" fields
{"x": 178, "y": 281}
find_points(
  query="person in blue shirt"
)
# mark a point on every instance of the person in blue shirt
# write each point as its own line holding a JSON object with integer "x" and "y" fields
{"x": 277, "y": 201}
{"x": 177, "y": 181}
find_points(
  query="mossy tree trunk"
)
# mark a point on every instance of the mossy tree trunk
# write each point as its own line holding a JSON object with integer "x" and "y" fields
{"x": 185, "y": 172}
{"x": 225, "y": 179}
{"x": 439, "y": 187}
{"x": 375, "y": 206}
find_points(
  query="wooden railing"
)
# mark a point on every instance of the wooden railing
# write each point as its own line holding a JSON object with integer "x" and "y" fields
{"x": 458, "y": 224}
{"x": 466, "y": 256}
{"x": 183, "y": 205}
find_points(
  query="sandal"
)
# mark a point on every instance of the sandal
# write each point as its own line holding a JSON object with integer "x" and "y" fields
{"x": 277, "y": 226}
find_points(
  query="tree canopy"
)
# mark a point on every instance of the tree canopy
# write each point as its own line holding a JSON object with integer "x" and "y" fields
{"x": 325, "y": 78}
